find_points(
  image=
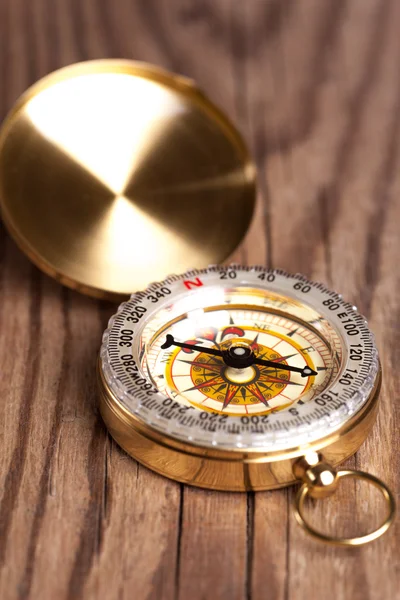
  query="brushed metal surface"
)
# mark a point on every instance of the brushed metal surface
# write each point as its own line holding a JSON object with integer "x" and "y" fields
{"x": 115, "y": 173}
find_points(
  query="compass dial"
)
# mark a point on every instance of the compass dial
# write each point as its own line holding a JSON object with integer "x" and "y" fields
{"x": 195, "y": 378}
{"x": 239, "y": 357}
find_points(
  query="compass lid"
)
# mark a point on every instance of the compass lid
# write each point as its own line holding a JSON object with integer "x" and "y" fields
{"x": 115, "y": 173}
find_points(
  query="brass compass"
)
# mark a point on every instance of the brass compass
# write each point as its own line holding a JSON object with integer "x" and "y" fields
{"x": 241, "y": 378}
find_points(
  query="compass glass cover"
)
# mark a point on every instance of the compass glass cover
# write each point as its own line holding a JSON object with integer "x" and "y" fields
{"x": 240, "y": 357}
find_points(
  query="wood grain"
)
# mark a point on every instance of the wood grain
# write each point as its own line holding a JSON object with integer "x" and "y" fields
{"x": 315, "y": 88}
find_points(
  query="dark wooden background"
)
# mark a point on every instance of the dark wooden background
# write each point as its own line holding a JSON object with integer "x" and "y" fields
{"x": 314, "y": 85}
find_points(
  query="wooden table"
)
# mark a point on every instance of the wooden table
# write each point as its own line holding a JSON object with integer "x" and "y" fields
{"x": 315, "y": 87}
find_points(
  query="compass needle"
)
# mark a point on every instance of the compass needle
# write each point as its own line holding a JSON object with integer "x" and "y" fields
{"x": 237, "y": 356}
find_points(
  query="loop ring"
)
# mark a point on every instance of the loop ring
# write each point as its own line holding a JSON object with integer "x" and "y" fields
{"x": 340, "y": 541}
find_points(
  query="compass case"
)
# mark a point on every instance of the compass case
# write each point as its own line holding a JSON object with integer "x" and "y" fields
{"x": 115, "y": 173}
{"x": 176, "y": 398}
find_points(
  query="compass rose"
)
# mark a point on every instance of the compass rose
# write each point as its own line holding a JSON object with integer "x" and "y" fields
{"x": 236, "y": 370}
{"x": 251, "y": 384}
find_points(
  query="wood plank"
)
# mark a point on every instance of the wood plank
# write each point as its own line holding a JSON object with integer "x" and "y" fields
{"x": 315, "y": 87}
{"x": 212, "y": 524}
{"x": 74, "y": 503}
{"x": 320, "y": 157}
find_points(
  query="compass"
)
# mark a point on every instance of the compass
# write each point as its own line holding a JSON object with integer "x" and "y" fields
{"x": 242, "y": 378}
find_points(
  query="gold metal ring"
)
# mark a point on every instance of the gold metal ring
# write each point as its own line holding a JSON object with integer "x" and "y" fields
{"x": 354, "y": 541}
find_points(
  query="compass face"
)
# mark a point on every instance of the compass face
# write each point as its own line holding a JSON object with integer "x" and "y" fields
{"x": 195, "y": 378}
{"x": 240, "y": 357}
